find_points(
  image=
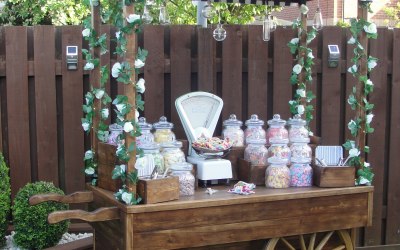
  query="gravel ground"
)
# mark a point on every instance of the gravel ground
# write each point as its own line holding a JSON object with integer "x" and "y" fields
{"x": 67, "y": 237}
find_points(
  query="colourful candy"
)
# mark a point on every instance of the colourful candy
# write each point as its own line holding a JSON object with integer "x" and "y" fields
{"x": 277, "y": 176}
{"x": 256, "y": 153}
{"x": 301, "y": 175}
{"x": 279, "y": 152}
{"x": 301, "y": 152}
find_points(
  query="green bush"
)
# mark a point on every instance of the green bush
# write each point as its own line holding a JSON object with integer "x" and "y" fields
{"x": 32, "y": 231}
{"x": 5, "y": 201}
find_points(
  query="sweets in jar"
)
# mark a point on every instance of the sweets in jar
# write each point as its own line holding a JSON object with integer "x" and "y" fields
{"x": 232, "y": 131}
{"x": 279, "y": 152}
{"x": 152, "y": 151}
{"x": 277, "y": 133}
{"x": 254, "y": 128}
{"x": 256, "y": 153}
{"x": 115, "y": 132}
{"x": 297, "y": 130}
{"x": 172, "y": 153}
{"x": 163, "y": 131}
{"x": 146, "y": 137}
{"x": 186, "y": 178}
{"x": 277, "y": 174}
{"x": 300, "y": 152}
{"x": 301, "y": 175}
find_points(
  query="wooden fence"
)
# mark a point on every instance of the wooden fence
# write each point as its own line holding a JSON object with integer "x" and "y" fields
{"x": 41, "y": 100}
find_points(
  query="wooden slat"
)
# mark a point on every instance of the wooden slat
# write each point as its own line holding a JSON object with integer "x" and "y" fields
{"x": 393, "y": 203}
{"x": 351, "y": 82}
{"x": 3, "y": 100}
{"x": 45, "y": 100}
{"x": 231, "y": 76}
{"x": 181, "y": 39}
{"x": 154, "y": 72}
{"x": 258, "y": 73}
{"x": 283, "y": 64}
{"x": 331, "y": 83}
{"x": 105, "y": 59}
{"x": 314, "y": 45}
{"x": 72, "y": 90}
{"x": 377, "y": 156}
{"x": 206, "y": 52}
{"x": 17, "y": 107}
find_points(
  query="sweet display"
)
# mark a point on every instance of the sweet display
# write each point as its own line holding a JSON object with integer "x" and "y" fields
{"x": 279, "y": 152}
{"x": 301, "y": 152}
{"x": 254, "y": 128}
{"x": 163, "y": 131}
{"x": 277, "y": 133}
{"x": 301, "y": 175}
{"x": 256, "y": 153}
{"x": 115, "y": 131}
{"x": 211, "y": 144}
{"x": 297, "y": 130}
{"x": 277, "y": 175}
{"x": 146, "y": 136}
{"x": 172, "y": 153}
{"x": 233, "y": 132}
{"x": 152, "y": 152}
{"x": 186, "y": 178}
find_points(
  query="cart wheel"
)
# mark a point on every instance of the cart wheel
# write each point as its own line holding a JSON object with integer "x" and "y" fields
{"x": 345, "y": 242}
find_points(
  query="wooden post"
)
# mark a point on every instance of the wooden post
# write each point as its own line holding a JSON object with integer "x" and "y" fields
{"x": 130, "y": 92}
{"x": 303, "y": 54}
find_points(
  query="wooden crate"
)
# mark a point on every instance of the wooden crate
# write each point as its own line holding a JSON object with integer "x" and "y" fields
{"x": 334, "y": 176}
{"x": 251, "y": 174}
{"x": 158, "y": 190}
{"x": 106, "y": 163}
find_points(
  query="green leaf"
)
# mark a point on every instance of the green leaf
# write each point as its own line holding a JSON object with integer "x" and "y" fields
{"x": 366, "y": 149}
{"x": 293, "y": 79}
{"x": 87, "y": 109}
{"x": 349, "y": 145}
{"x": 120, "y": 99}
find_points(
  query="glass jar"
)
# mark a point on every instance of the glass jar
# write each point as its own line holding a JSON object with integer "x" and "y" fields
{"x": 277, "y": 133}
{"x": 186, "y": 178}
{"x": 163, "y": 133}
{"x": 300, "y": 152}
{"x": 172, "y": 153}
{"x": 301, "y": 175}
{"x": 297, "y": 130}
{"x": 115, "y": 131}
{"x": 278, "y": 152}
{"x": 152, "y": 151}
{"x": 277, "y": 174}
{"x": 256, "y": 153}
{"x": 233, "y": 132}
{"x": 146, "y": 136}
{"x": 254, "y": 128}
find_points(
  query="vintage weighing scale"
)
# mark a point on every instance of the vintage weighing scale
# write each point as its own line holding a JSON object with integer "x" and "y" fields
{"x": 199, "y": 113}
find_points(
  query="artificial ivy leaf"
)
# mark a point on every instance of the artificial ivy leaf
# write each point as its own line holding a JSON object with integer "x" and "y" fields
{"x": 120, "y": 99}
{"x": 293, "y": 79}
{"x": 349, "y": 145}
{"x": 102, "y": 135}
{"x": 87, "y": 109}
{"x": 366, "y": 149}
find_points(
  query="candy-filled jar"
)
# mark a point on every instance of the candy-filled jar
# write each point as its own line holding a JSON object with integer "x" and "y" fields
{"x": 277, "y": 174}
{"x": 186, "y": 178}
{"x": 279, "y": 152}
{"x": 233, "y": 132}
{"x": 301, "y": 175}
{"x": 297, "y": 130}
{"x": 254, "y": 128}
{"x": 256, "y": 153}
{"x": 163, "y": 133}
{"x": 115, "y": 131}
{"x": 152, "y": 152}
{"x": 146, "y": 136}
{"x": 300, "y": 152}
{"x": 277, "y": 133}
{"x": 172, "y": 153}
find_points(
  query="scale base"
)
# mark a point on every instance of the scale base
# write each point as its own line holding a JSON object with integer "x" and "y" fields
{"x": 211, "y": 169}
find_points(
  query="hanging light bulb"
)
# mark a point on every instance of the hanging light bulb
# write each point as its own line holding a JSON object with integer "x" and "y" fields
{"x": 273, "y": 22}
{"x": 219, "y": 33}
{"x": 318, "y": 23}
{"x": 146, "y": 17}
{"x": 208, "y": 10}
{"x": 267, "y": 24}
{"x": 163, "y": 17}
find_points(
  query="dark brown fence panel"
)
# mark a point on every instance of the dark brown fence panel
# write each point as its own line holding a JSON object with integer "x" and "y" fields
{"x": 45, "y": 100}
{"x": 72, "y": 91}
{"x": 393, "y": 195}
{"x": 206, "y": 56}
{"x": 314, "y": 45}
{"x": 105, "y": 59}
{"x": 18, "y": 106}
{"x": 257, "y": 96}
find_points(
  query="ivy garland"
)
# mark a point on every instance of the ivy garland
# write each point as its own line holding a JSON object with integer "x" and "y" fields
{"x": 124, "y": 72}
{"x": 361, "y": 124}
{"x": 304, "y": 62}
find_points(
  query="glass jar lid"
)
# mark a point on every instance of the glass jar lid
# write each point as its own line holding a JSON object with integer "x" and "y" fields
{"x": 232, "y": 121}
{"x": 115, "y": 127}
{"x": 143, "y": 124}
{"x": 278, "y": 161}
{"x": 163, "y": 124}
{"x": 276, "y": 121}
{"x": 297, "y": 121}
{"x": 256, "y": 141}
{"x": 278, "y": 141}
{"x": 150, "y": 146}
{"x": 181, "y": 166}
{"x": 254, "y": 121}
{"x": 175, "y": 144}
{"x": 304, "y": 140}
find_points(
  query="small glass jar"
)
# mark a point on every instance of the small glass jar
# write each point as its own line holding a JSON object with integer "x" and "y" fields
{"x": 115, "y": 131}
{"x": 233, "y": 132}
{"x": 300, "y": 152}
{"x": 301, "y": 175}
{"x": 146, "y": 136}
{"x": 172, "y": 153}
{"x": 297, "y": 130}
{"x": 152, "y": 151}
{"x": 163, "y": 133}
{"x": 279, "y": 152}
{"x": 254, "y": 128}
{"x": 277, "y": 174}
{"x": 186, "y": 178}
{"x": 277, "y": 133}
{"x": 256, "y": 153}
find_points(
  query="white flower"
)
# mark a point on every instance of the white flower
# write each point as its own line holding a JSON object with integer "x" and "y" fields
{"x": 99, "y": 93}
{"x": 139, "y": 63}
{"x": 89, "y": 171}
{"x": 368, "y": 118}
{"x": 85, "y": 126}
{"x": 369, "y": 82}
{"x": 291, "y": 102}
{"x": 120, "y": 106}
{"x": 351, "y": 124}
{"x": 370, "y": 29}
{"x": 301, "y": 92}
{"x": 118, "y": 34}
{"x": 354, "y": 152}
{"x": 88, "y": 155}
{"x": 300, "y": 109}
{"x": 294, "y": 41}
{"x": 371, "y": 64}
{"x": 352, "y": 69}
{"x": 310, "y": 133}
{"x": 140, "y": 86}
{"x": 297, "y": 68}
{"x": 352, "y": 40}
{"x": 366, "y": 164}
{"x": 86, "y": 32}
{"x": 123, "y": 168}
{"x": 364, "y": 181}
{"x": 89, "y": 66}
{"x": 128, "y": 127}
{"x": 105, "y": 113}
{"x": 116, "y": 69}
{"x": 127, "y": 198}
{"x": 132, "y": 18}
{"x": 310, "y": 55}
{"x": 136, "y": 115}
{"x": 304, "y": 9}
